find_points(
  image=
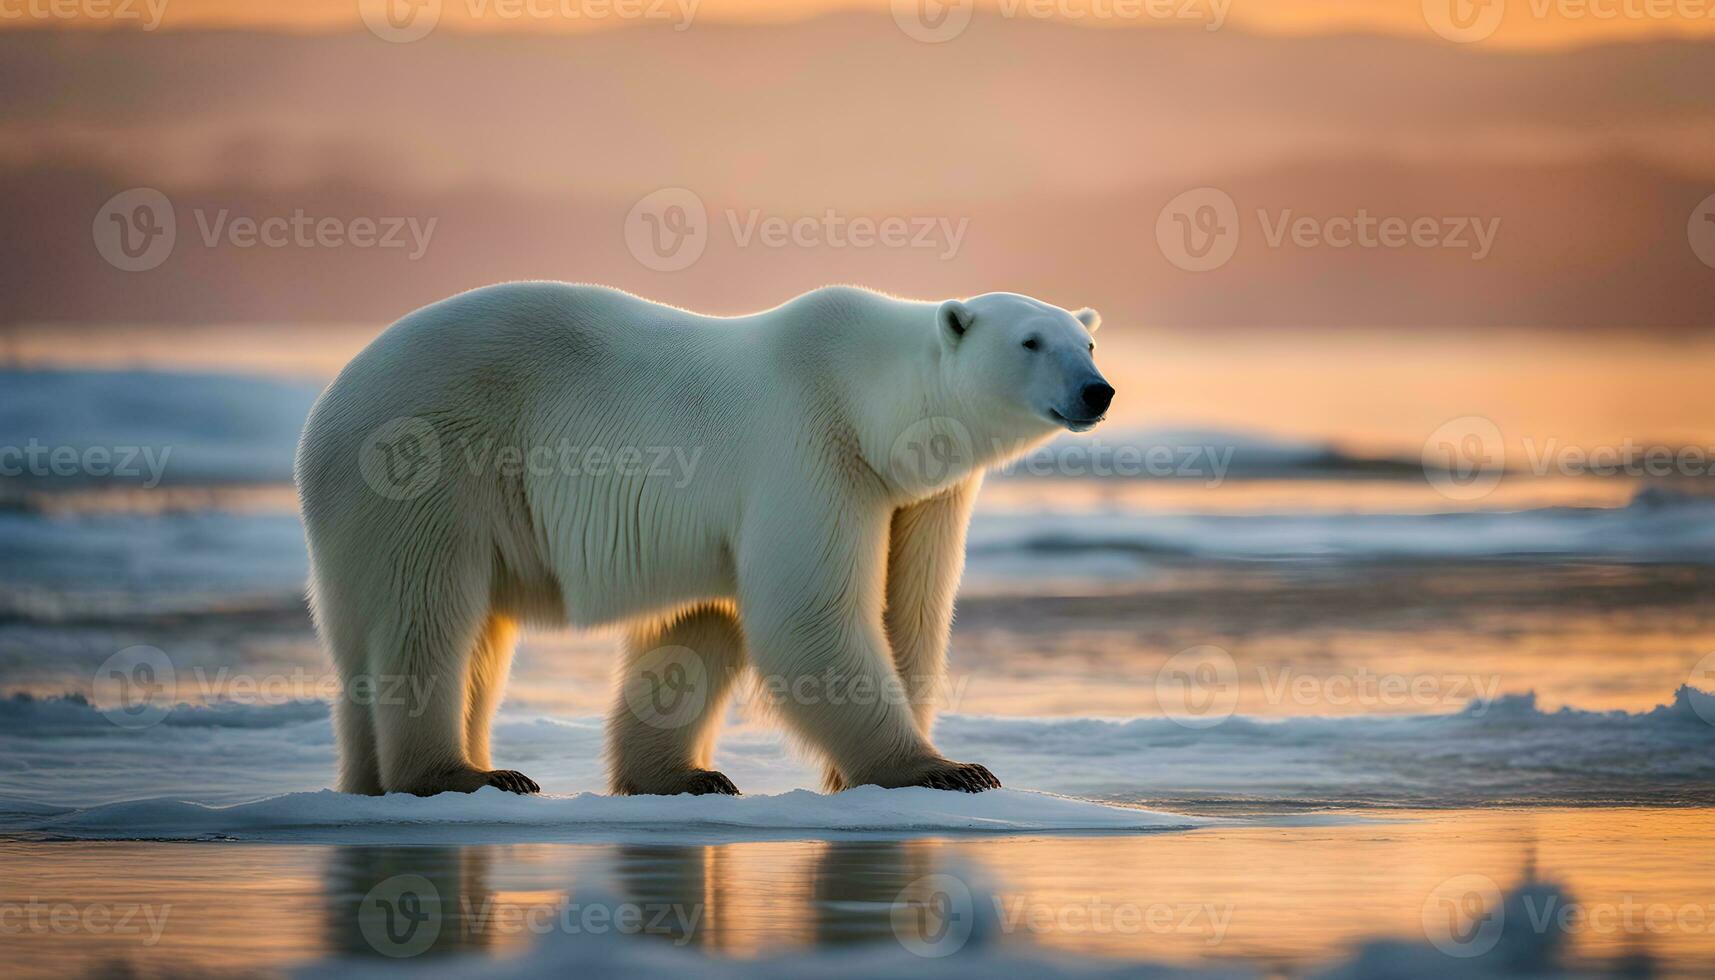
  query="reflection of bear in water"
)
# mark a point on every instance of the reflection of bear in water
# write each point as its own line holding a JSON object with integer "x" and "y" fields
{"x": 786, "y": 491}
{"x": 405, "y": 901}
{"x": 744, "y": 899}
{"x": 740, "y": 899}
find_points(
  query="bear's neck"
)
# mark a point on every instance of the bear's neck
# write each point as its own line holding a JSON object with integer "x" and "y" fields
{"x": 923, "y": 438}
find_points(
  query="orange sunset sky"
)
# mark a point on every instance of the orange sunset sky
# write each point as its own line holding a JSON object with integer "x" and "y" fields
{"x": 1506, "y": 23}
{"x": 1578, "y": 131}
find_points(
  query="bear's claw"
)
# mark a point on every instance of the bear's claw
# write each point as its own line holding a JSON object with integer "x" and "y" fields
{"x": 964, "y": 777}
{"x": 513, "y": 781}
{"x": 705, "y": 781}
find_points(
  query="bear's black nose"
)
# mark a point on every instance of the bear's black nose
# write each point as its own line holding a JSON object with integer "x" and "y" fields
{"x": 1098, "y": 396}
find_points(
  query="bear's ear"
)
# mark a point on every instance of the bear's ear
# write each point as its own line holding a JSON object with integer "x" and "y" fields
{"x": 1089, "y": 318}
{"x": 953, "y": 319}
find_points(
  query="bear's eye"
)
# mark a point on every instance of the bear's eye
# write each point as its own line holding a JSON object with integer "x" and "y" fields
{"x": 1031, "y": 344}
{"x": 1092, "y": 348}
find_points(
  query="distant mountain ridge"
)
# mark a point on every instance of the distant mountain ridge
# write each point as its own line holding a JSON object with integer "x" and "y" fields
{"x": 1054, "y": 148}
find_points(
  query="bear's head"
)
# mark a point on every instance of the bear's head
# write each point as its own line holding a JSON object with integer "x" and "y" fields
{"x": 1027, "y": 366}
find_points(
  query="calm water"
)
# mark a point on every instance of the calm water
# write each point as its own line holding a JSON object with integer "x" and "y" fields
{"x": 1264, "y": 898}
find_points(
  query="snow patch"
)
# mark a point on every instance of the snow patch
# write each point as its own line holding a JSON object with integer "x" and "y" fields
{"x": 867, "y": 809}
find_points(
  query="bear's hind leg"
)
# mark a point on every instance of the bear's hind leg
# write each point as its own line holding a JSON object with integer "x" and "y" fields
{"x": 673, "y": 687}
{"x": 353, "y": 724}
{"x": 359, "y": 771}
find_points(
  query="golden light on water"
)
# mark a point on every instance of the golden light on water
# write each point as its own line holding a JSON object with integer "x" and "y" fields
{"x": 1292, "y": 896}
{"x": 1380, "y": 393}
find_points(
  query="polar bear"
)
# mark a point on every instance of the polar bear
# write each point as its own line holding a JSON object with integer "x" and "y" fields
{"x": 784, "y": 494}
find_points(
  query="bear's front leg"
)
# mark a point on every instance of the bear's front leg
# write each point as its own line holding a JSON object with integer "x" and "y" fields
{"x": 811, "y": 589}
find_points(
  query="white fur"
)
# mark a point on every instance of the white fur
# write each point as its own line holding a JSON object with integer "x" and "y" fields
{"x": 796, "y": 535}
